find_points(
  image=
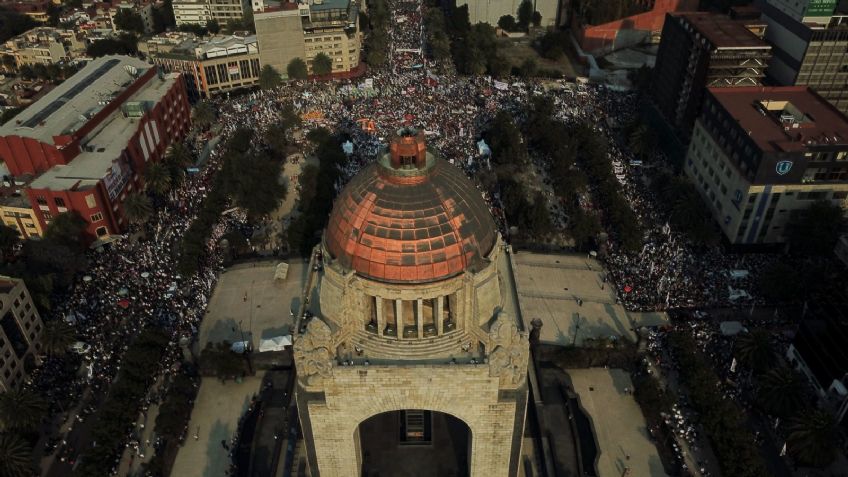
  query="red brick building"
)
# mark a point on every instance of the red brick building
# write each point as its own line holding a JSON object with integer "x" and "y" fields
{"x": 90, "y": 139}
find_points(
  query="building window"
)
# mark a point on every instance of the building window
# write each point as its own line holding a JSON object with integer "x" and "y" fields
{"x": 96, "y": 217}
{"x": 60, "y": 202}
{"x": 101, "y": 231}
{"x": 47, "y": 216}
{"x": 90, "y": 202}
{"x": 40, "y": 200}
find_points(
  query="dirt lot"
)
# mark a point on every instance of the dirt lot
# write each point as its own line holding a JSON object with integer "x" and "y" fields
{"x": 518, "y": 49}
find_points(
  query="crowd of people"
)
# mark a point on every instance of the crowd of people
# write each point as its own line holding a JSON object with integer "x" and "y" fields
{"x": 132, "y": 283}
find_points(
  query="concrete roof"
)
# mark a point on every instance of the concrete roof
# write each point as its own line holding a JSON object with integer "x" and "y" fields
{"x": 61, "y": 110}
{"x": 105, "y": 143}
{"x": 722, "y": 31}
{"x": 763, "y": 112}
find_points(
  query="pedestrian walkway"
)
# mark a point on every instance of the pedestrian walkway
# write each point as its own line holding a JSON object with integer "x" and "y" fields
{"x": 214, "y": 419}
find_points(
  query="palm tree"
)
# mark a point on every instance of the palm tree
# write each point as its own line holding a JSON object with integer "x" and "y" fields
{"x": 21, "y": 410}
{"x": 643, "y": 141}
{"x": 812, "y": 438}
{"x": 157, "y": 179}
{"x": 203, "y": 114}
{"x": 781, "y": 391}
{"x": 179, "y": 155}
{"x": 754, "y": 350}
{"x": 57, "y": 337}
{"x": 15, "y": 456}
{"x": 137, "y": 207}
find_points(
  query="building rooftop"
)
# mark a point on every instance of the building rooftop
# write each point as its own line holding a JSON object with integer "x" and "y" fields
{"x": 104, "y": 144}
{"x": 722, "y": 31}
{"x": 784, "y": 118}
{"x": 68, "y": 106}
{"x": 215, "y": 47}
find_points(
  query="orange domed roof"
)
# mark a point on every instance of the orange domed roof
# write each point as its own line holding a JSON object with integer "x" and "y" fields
{"x": 411, "y": 223}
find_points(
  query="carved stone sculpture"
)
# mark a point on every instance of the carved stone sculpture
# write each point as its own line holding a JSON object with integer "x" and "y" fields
{"x": 510, "y": 348}
{"x": 313, "y": 353}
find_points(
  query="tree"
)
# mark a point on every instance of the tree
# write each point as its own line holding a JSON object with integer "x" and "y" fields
{"x": 322, "y": 65}
{"x": 179, "y": 155}
{"x": 128, "y": 20}
{"x": 529, "y": 68}
{"x": 269, "y": 77}
{"x": 296, "y": 69}
{"x": 15, "y": 456}
{"x": 21, "y": 410}
{"x": 643, "y": 141}
{"x": 537, "y": 18}
{"x": 67, "y": 229}
{"x": 57, "y": 337}
{"x": 776, "y": 284}
{"x": 505, "y": 140}
{"x": 213, "y": 27}
{"x": 781, "y": 392}
{"x": 163, "y": 16}
{"x": 507, "y": 22}
{"x": 275, "y": 137}
{"x": 525, "y": 14}
{"x": 203, "y": 114}
{"x": 137, "y": 208}
{"x": 157, "y": 179}
{"x": 9, "y": 239}
{"x": 815, "y": 230}
{"x": 754, "y": 350}
{"x": 125, "y": 44}
{"x": 812, "y": 438}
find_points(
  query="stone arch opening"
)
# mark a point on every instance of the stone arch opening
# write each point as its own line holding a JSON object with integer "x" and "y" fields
{"x": 413, "y": 443}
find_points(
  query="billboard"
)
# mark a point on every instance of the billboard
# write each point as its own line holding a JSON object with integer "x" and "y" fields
{"x": 820, "y": 8}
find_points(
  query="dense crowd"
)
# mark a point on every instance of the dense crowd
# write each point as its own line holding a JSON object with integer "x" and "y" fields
{"x": 133, "y": 283}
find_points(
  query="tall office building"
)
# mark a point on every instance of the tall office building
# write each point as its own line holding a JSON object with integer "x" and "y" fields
{"x": 700, "y": 50}
{"x": 758, "y": 154}
{"x": 20, "y": 332}
{"x": 303, "y": 30}
{"x": 810, "y": 41}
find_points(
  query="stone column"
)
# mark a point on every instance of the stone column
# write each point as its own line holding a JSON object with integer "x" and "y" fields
{"x": 440, "y": 301}
{"x": 399, "y": 318}
{"x": 419, "y": 317}
{"x": 381, "y": 320}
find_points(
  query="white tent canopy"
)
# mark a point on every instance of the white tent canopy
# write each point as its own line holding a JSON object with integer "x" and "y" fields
{"x": 277, "y": 343}
{"x": 282, "y": 271}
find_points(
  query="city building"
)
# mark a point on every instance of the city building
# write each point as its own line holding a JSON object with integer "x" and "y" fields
{"x": 760, "y": 154}
{"x": 209, "y": 67}
{"x": 142, "y": 8}
{"x": 89, "y": 140}
{"x": 43, "y": 46}
{"x": 629, "y": 31}
{"x": 490, "y": 11}
{"x": 20, "y": 333}
{"x": 15, "y": 209}
{"x": 412, "y": 359}
{"x": 304, "y": 30}
{"x": 35, "y": 9}
{"x": 818, "y": 352}
{"x": 810, "y": 40}
{"x": 700, "y": 50}
{"x": 199, "y": 12}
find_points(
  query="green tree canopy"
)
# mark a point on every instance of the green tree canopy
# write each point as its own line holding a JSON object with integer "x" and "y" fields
{"x": 781, "y": 392}
{"x": 507, "y": 22}
{"x": 815, "y": 230}
{"x": 57, "y": 337}
{"x": 525, "y": 14}
{"x": 67, "y": 229}
{"x": 322, "y": 64}
{"x": 157, "y": 179}
{"x": 15, "y": 456}
{"x": 124, "y": 44}
{"x": 137, "y": 207}
{"x": 269, "y": 77}
{"x": 296, "y": 69}
{"x": 213, "y": 27}
{"x": 9, "y": 239}
{"x": 754, "y": 350}
{"x": 203, "y": 114}
{"x": 128, "y": 20}
{"x": 21, "y": 410}
{"x": 812, "y": 438}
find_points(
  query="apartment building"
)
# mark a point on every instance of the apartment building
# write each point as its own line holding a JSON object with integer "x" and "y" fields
{"x": 20, "y": 332}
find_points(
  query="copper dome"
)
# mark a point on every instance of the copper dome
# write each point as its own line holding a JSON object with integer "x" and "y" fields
{"x": 413, "y": 221}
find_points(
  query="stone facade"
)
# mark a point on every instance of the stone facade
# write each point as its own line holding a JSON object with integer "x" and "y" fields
{"x": 443, "y": 344}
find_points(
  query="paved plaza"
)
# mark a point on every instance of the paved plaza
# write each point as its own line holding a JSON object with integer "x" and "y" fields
{"x": 214, "y": 419}
{"x": 247, "y": 299}
{"x": 619, "y": 426}
{"x": 549, "y": 287}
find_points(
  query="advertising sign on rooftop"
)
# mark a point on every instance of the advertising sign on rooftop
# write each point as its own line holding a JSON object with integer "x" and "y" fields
{"x": 821, "y": 8}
